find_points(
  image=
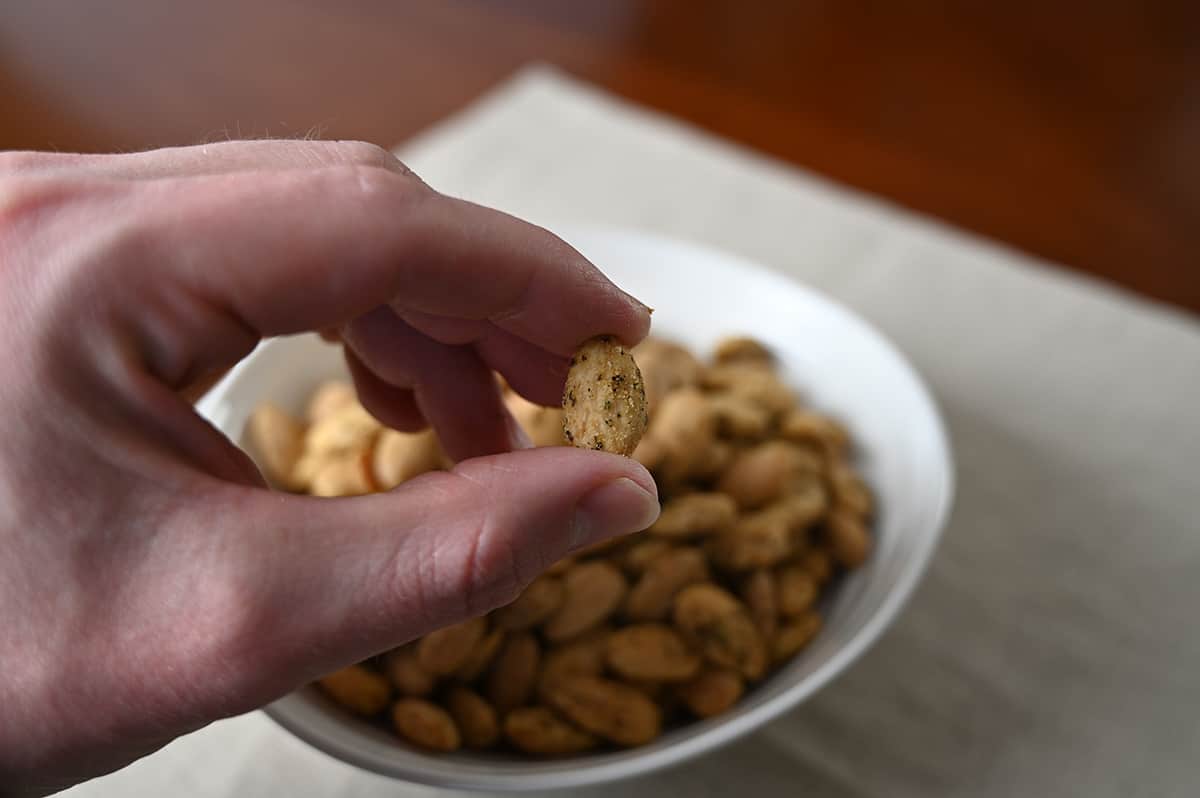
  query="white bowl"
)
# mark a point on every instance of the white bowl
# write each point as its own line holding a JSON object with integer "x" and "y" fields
{"x": 838, "y": 363}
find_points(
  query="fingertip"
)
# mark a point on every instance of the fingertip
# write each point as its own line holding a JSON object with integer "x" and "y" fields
{"x": 564, "y": 465}
{"x": 641, "y": 320}
{"x": 639, "y": 474}
{"x": 619, "y": 507}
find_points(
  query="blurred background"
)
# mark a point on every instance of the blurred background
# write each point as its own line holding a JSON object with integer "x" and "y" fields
{"x": 1070, "y": 130}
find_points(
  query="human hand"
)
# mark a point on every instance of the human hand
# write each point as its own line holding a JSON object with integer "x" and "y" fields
{"x": 149, "y": 583}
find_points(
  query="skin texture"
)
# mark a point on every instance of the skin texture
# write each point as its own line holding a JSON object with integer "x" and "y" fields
{"x": 150, "y": 583}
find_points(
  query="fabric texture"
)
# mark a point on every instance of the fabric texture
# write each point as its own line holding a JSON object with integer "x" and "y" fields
{"x": 1052, "y": 649}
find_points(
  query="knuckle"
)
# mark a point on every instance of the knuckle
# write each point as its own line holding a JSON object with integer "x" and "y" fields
{"x": 372, "y": 185}
{"x": 364, "y": 153}
{"x": 472, "y": 569}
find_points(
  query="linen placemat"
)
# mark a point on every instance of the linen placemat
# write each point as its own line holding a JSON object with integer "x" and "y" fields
{"x": 1053, "y": 648}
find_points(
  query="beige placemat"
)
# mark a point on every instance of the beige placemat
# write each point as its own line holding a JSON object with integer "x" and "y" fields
{"x": 1053, "y": 649}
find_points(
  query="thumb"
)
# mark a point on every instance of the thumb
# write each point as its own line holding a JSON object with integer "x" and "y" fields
{"x": 339, "y": 580}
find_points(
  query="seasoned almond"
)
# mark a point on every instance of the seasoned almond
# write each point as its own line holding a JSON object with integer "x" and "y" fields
{"x": 481, "y": 656}
{"x": 514, "y": 673}
{"x": 819, "y": 565}
{"x": 719, "y": 625}
{"x": 358, "y": 689}
{"x": 712, "y": 691}
{"x": 446, "y": 650}
{"x": 651, "y": 652}
{"x": 593, "y": 591}
{"x": 620, "y": 714}
{"x": 848, "y": 539}
{"x": 536, "y": 603}
{"x": 583, "y": 656}
{"x": 538, "y": 730}
{"x": 756, "y": 541}
{"x": 637, "y": 558}
{"x": 425, "y": 725}
{"x": 741, "y": 349}
{"x": 761, "y": 595}
{"x": 406, "y": 673}
{"x": 604, "y": 400}
{"x": 762, "y": 474}
{"x": 795, "y": 635}
{"x": 651, "y": 597}
{"x": 476, "y": 719}
{"x": 796, "y": 590}
{"x": 695, "y": 514}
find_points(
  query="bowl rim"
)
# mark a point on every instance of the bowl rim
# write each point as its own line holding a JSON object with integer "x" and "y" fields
{"x": 577, "y": 771}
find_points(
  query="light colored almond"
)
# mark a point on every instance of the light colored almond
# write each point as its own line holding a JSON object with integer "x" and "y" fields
{"x": 400, "y": 456}
{"x": 343, "y": 475}
{"x": 543, "y": 425}
{"x": 276, "y": 441}
{"x": 666, "y": 367}
{"x": 329, "y": 398}
{"x": 349, "y": 430}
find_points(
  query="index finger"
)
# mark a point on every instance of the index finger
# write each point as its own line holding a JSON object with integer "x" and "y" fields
{"x": 288, "y": 251}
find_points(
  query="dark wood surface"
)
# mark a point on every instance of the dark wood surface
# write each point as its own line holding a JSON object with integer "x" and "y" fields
{"x": 1071, "y": 130}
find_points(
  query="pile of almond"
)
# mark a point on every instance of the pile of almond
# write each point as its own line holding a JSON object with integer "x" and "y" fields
{"x": 761, "y": 510}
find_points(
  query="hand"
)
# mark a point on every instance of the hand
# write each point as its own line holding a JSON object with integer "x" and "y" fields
{"x": 149, "y": 583}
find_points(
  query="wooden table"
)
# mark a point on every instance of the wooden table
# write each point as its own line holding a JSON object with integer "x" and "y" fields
{"x": 1071, "y": 130}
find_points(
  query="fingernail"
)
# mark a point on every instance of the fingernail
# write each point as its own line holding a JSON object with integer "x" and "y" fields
{"x": 517, "y": 437}
{"x": 615, "y": 508}
{"x": 637, "y": 302}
